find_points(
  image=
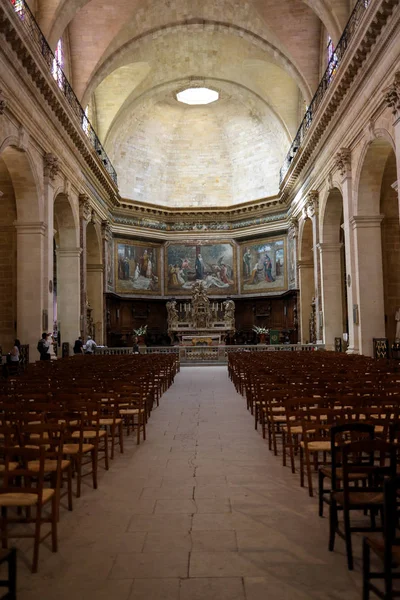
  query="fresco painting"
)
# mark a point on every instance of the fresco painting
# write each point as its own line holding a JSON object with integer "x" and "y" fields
{"x": 263, "y": 266}
{"x": 137, "y": 267}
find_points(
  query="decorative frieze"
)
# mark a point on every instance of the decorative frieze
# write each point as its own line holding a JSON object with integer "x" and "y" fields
{"x": 392, "y": 94}
{"x": 51, "y": 166}
{"x": 343, "y": 161}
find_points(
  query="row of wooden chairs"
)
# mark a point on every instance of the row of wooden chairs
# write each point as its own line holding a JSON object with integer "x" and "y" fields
{"x": 337, "y": 417}
{"x": 58, "y": 421}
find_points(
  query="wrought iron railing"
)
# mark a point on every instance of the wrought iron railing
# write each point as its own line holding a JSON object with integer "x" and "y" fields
{"x": 32, "y": 28}
{"x": 329, "y": 75}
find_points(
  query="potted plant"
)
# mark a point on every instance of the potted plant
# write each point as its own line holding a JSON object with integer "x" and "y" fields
{"x": 140, "y": 333}
{"x": 262, "y": 332}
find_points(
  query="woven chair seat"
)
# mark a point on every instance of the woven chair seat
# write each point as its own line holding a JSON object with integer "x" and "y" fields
{"x": 360, "y": 498}
{"x": 11, "y": 465}
{"x": 327, "y": 471}
{"x": 110, "y": 421}
{"x": 49, "y": 465}
{"x": 317, "y": 446}
{"x": 74, "y": 448}
{"x": 22, "y": 499}
{"x": 131, "y": 411}
{"x": 89, "y": 435}
{"x": 378, "y": 546}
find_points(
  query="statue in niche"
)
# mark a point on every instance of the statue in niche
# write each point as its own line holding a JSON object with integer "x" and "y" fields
{"x": 173, "y": 316}
{"x": 229, "y": 314}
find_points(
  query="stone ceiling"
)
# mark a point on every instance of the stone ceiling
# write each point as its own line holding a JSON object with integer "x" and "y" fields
{"x": 128, "y": 58}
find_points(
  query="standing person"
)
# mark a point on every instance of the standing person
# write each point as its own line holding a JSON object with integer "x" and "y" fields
{"x": 90, "y": 345}
{"x": 78, "y": 346}
{"x": 135, "y": 349}
{"x": 43, "y": 347}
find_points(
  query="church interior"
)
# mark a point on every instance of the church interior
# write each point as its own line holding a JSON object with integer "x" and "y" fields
{"x": 199, "y": 299}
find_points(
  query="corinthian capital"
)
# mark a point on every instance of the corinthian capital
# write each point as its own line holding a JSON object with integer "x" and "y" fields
{"x": 311, "y": 205}
{"x": 392, "y": 94}
{"x": 85, "y": 210}
{"x": 293, "y": 226}
{"x": 106, "y": 230}
{"x": 51, "y": 166}
{"x": 343, "y": 161}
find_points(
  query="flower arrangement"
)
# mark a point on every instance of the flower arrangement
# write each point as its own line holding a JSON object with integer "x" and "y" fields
{"x": 141, "y": 331}
{"x": 260, "y": 330}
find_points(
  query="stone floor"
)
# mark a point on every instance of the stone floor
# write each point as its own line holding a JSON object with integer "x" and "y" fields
{"x": 200, "y": 511}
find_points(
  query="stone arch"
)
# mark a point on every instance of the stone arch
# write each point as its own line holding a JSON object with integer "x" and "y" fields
{"x": 94, "y": 281}
{"x": 67, "y": 269}
{"x": 23, "y": 236}
{"x": 306, "y": 277}
{"x": 333, "y": 268}
{"x": 377, "y": 236}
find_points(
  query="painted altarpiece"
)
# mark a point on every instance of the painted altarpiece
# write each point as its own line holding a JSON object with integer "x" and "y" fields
{"x": 263, "y": 266}
{"x": 137, "y": 267}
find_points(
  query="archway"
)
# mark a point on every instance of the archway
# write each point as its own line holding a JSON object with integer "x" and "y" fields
{"x": 306, "y": 284}
{"x": 94, "y": 284}
{"x": 23, "y": 238}
{"x": 67, "y": 290}
{"x": 333, "y": 270}
{"x": 377, "y": 236}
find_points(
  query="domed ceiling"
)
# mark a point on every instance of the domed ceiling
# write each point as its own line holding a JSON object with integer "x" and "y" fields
{"x": 129, "y": 58}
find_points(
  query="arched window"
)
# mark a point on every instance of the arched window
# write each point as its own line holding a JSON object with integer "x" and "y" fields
{"x": 18, "y": 7}
{"x": 58, "y": 63}
{"x": 85, "y": 121}
{"x": 332, "y": 60}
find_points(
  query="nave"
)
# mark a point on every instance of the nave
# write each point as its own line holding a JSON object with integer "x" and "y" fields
{"x": 200, "y": 510}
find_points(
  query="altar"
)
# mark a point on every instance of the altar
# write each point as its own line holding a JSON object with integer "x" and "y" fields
{"x": 200, "y": 322}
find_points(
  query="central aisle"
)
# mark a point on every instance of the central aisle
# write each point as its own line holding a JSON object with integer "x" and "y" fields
{"x": 200, "y": 511}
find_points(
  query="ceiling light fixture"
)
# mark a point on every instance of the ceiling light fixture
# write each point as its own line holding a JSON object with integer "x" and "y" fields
{"x": 196, "y": 96}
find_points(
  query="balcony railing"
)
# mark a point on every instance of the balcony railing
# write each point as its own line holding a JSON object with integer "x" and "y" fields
{"x": 329, "y": 75}
{"x": 30, "y": 25}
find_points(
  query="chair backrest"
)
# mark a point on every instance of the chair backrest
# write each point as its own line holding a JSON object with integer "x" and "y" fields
{"x": 391, "y": 495}
{"x": 344, "y": 434}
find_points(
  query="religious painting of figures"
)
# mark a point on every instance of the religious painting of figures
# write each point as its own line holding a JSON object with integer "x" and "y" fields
{"x": 137, "y": 267}
{"x": 212, "y": 263}
{"x": 263, "y": 266}
{"x": 109, "y": 265}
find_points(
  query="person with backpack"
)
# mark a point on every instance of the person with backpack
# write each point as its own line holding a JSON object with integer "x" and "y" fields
{"x": 90, "y": 345}
{"x": 43, "y": 347}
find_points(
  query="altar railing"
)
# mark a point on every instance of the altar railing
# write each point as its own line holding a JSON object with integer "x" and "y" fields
{"x": 212, "y": 354}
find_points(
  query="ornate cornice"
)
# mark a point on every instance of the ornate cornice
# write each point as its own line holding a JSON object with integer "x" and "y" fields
{"x": 392, "y": 94}
{"x": 3, "y": 102}
{"x": 343, "y": 161}
{"x": 30, "y": 60}
{"x": 343, "y": 81}
{"x": 51, "y": 166}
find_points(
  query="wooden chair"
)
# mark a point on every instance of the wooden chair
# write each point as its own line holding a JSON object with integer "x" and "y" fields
{"x": 9, "y": 557}
{"x": 364, "y": 457}
{"x": 387, "y": 549}
{"x": 27, "y": 495}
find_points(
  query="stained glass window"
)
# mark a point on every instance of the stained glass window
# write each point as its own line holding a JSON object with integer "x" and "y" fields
{"x": 85, "y": 121}
{"x": 331, "y": 59}
{"x": 18, "y": 7}
{"x": 58, "y": 63}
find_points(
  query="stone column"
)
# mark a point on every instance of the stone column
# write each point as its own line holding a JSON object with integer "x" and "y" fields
{"x": 311, "y": 210}
{"x": 51, "y": 169}
{"x": 95, "y": 285}
{"x": 392, "y": 98}
{"x": 343, "y": 165}
{"x": 331, "y": 293}
{"x": 68, "y": 293}
{"x": 306, "y": 284}
{"x": 106, "y": 235}
{"x": 369, "y": 280}
{"x": 85, "y": 213}
{"x": 30, "y": 252}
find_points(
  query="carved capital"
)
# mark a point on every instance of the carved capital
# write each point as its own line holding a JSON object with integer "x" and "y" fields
{"x": 343, "y": 161}
{"x": 51, "y": 166}
{"x": 3, "y": 102}
{"x": 85, "y": 210}
{"x": 392, "y": 94}
{"x": 311, "y": 205}
{"x": 293, "y": 226}
{"x": 106, "y": 230}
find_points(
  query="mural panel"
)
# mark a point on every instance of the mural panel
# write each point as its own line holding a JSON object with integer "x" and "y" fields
{"x": 263, "y": 266}
{"x": 213, "y": 263}
{"x": 137, "y": 267}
